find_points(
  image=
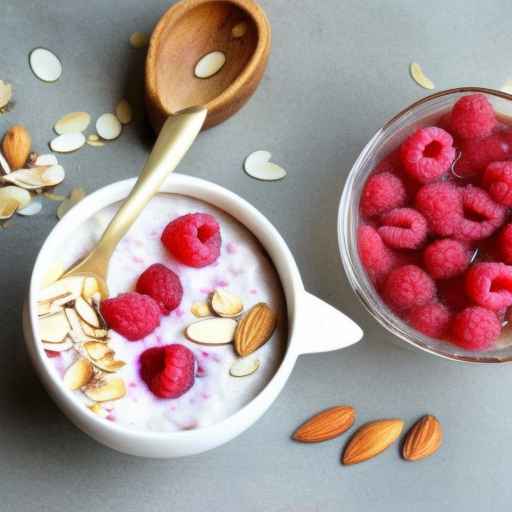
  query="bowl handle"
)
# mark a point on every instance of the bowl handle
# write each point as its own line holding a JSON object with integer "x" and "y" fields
{"x": 322, "y": 328}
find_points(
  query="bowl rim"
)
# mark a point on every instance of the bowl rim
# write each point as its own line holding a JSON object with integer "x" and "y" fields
{"x": 176, "y": 12}
{"x": 386, "y": 318}
{"x": 293, "y": 290}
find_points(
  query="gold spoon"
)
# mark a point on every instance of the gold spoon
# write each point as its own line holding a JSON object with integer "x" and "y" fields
{"x": 175, "y": 138}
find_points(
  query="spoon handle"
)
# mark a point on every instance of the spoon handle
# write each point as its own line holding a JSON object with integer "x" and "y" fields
{"x": 175, "y": 138}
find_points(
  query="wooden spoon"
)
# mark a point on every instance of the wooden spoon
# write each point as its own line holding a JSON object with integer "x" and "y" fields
{"x": 188, "y": 31}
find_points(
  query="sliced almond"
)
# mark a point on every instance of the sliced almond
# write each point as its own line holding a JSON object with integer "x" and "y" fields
{"x": 74, "y": 321}
{"x": 37, "y": 177}
{"x": 256, "y": 158}
{"x": 8, "y": 208}
{"x": 54, "y": 328}
{"x": 139, "y": 40}
{"x": 94, "y": 333}
{"x": 244, "y": 367}
{"x": 54, "y": 197}
{"x": 53, "y": 291}
{"x": 78, "y": 374}
{"x": 254, "y": 329}
{"x": 67, "y": 143}
{"x": 43, "y": 308}
{"x": 108, "y": 126}
{"x": 72, "y": 123}
{"x": 268, "y": 171}
{"x": 63, "y": 300}
{"x": 86, "y": 312}
{"x": 326, "y": 425}
{"x": 111, "y": 390}
{"x": 210, "y": 64}
{"x": 45, "y": 65}
{"x": 33, "y": 208}
{"x": 212, "y": 331}
{"x": 226, "y": 304}
{"x": 419, "y": 77}
{"x": 371, "y": 439}
{"x": 46, "y": 160}
{"x": 90, "y": 288}
{"x": 59, "y": 347}
{"x": 97, "y": 409}
{"x": 5, "y": 168}
{"x": 95, "y": 143}
{"x": 5, "y": 94}
{"x": 97, "y": 350}
{"x": 124, "y": 112}
{"x": 423, "y": 439}
{"x": 200, "y": 309}
{"x": 109, "y": 365}
{"x": 21, "y": 196}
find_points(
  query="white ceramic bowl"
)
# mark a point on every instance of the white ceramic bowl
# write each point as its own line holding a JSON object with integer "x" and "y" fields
{"x": 311, "y": 324}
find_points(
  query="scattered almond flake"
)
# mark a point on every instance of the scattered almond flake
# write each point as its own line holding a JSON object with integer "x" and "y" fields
{"x": 5, "y": 168}
{"x": 37, "y": 177}
{"x": 86, "y": 312}
{"x": 52, "y": 274}
{"x": 45, "y": 65}
{"x": 95, "y": 143}
{"x": 46, "y": 160}
{"x": 209, "y": 64}
{"x": 108, "y": 126}
{"x": 5, "y": 94}
{"x": 109, "y": 365}
{"x": 59, "y": 347}
{"x": 97, "y": 409}
{"x": 212, "y": 331}
{"x": 94, "y": 333}
{"x": 200, "y": 309}
{"x": 244, "y": 367}
{"x": 90, "y": 288}
{"x": 74, "y": 122}
{"x": 72, "y": 284}
{"x": 93, "y": 137}
{"x": 8, "y": 208}
{"x": 67, "y": 142}
{"x": 256, "y": 158}
{"x": 124, "y": 112}
{"x": 77, "y": 194}
{"x": 33, "y": 208}
{"x": 419, "y": 77}
{"x": 97, "y": 350}
{"x": 226, "y": 304}
{"x": 54, "y": 197}
{"x": 139, "y": 40}
{"x": 20, "y": 195}
{"x": 239, "y": 30}
{"x": 78, "y": 374}
{"x": 54, "y": 328}
{"x": 111, "y": 390}
{"x": 264, "y": 171}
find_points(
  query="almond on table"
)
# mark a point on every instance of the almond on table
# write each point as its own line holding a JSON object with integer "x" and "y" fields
{"x": 326, "y": 425}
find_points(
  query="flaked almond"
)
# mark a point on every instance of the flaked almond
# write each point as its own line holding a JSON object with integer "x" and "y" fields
{"x": 18, "y": 194}
{"x": 212, "y": 331}
{"x": 108, "y": 364}
{"x": 72, "y": 123}
{"x": 5, "y": 94}
{"x": 371, "y": 439}
{"x": 63, "y": 286}
{"x": 54, "y": 328}
{"x": 46, "y": 160}
{"x": 255, "y": 329}
{"x": 5, "y": 168}
{"x": 111, "y": 390}
{"x": 244, "y": 367}
{"x": 8, "y": 208}
{"x": 226, "y": 304}
{"x": 92, "y": 332}
{"x": 16, "y": 146}
{"x": 97, "y": 350}
{"x": 108, "y": 126}
{"x": 67, "y": 142}
{"x": 423, "y": 439}
{"x": 419, "y": 76}
{"x": 97, "y": 409}
{"x": 78, "y": 374}
{"x": 45, "y": 65}
{"x": 90, "y": 288}
{"x": 124, "y": 112}
{"x": 210, "y": 64}
{"x": 200, "y": 309}
{"x": 86, "y": 312}
{"x": 59, "y": 347}
{"x": 36, "y": 177}
{"x": 326, "y": 425}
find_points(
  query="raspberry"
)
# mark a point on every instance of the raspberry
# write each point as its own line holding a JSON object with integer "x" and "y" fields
{"x": 482, "y": 216}
{"x": 168, "y": 371}
{"x": 193, "y": 239}
{"x": 475, "y": 328}
{"x": 381, "y": 193}
{"x": 132, "y": 315}
{"x": 505, "y": 244}
{"x": 427, "y": 154}
{"x": 163, "y": 285}
{"x": 473, "y": 117}
{"x": 477, "y": 154}
{"x": 403, "y": 228}
{"x": 490, "y": 285}
{"x": 431, "y": 319}
{"x": 377, "y": 259}
{"x": 498, "y": 181}
{"x": 441, "y": 205}
{"x": 408, "y": 286}
{"x": 446, "y": 258}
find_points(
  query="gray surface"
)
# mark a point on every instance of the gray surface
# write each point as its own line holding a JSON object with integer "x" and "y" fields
{"x": 338, "y": 69}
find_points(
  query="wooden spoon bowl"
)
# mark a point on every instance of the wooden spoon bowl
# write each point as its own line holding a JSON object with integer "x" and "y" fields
{"x": 191, "y": 29}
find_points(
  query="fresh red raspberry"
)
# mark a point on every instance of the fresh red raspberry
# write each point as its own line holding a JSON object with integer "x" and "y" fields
{"x": 498, "y": 181}
{"x": 403, "y": 228}
{"x": 377, "y": 259}
{"x": 441, "y": 205}
{"x": 427, "y": 154}
{"x": 52, "y": 353}
{"x": 132, "y": 315}
{"x": 482, "y": 216}
{"x": 408, "y": 286}
{"x": 382, "y": 193}
{"x": 505, "y": 244}
{"x": 446, "y": 258}
{"x": 473, "y": 117}
{"x": 489, "y": 284}
{"x": 431, "y": 319}
{"x": 194, "y": 239}
{"x": 163, "y": 285}
{"x": 475, "y": 328}
{"x": 477, "y": 154}
{"x": 168, "y": 370}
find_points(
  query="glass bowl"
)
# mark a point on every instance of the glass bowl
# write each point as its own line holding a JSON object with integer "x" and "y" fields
{"x": 421, "y": 113}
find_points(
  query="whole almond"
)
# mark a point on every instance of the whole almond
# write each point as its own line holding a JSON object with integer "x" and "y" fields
{"x": 371, "y": 439}
{"x": 326, "y": 425}
{"x": 16, "y": 146}
{"x": 255, "y": 329}
{"x": 423, "y": 439}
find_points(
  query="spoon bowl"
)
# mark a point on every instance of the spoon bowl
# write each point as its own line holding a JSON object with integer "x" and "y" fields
{"x": 188, "y": 31}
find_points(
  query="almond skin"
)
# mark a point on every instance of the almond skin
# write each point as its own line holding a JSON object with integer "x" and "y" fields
{"x": 326, "y": 425}
{"x": 371, "y": 439}
{"x": 255, "y": 329}
{"x": 423, "y": 439}
{"x": 16, "y": 146}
